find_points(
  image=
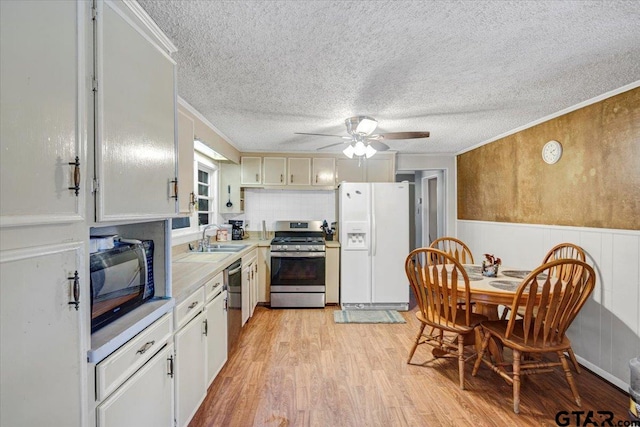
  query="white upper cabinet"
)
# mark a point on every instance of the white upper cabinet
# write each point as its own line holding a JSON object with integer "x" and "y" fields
{"x": 42, "y": 111}
{"x": 380, "y": 170}
{"x": 135, "y": 146}
{"x": 348, "y": 170}
{"x": 275, "y": 170}
{"x": 299, "y": 171}
{"x": 185, "y": 163}
{"x": 324, "y": 171}
{"x": 250, "y": 170}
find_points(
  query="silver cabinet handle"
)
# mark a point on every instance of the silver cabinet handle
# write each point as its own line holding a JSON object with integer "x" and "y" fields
{"x": 192, "y": 305}
{"x": 206, "y": 327}
{"x": 257, "y": 178}
{"x": 145, "y": 347}
{"x": 75, "y": 290}
{"x": 281, "y": 177}
{"x": 292, "y": 178}
{"x": 316, "y": 178}
{"x": 170, "y": 360}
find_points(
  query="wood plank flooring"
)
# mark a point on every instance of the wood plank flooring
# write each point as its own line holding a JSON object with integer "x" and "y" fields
{"x": 298, "y": 368}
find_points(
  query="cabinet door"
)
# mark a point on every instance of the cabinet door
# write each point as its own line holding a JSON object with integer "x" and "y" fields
{"x": 136, "y": 141}
{"x": 275, "y": 171}
{"x": 299, "y": 171}
{"x": 190, "y": 369}
{"x": 350, "y": 170}
{"x": 324, "y": 171}
{"x": 145, "y": 399}
{"x": 246, "y": 297}
{"x": 43, "y": 337}
{"x": 43, "y": 114}
{"x": 332, "y": 274}
{"x": 379, "y": 170}
{"x": 250, "y": 170}
{"x": 185, "y": 163}
{"x": 216, "y": 330}
{"x": 264, "y": 274}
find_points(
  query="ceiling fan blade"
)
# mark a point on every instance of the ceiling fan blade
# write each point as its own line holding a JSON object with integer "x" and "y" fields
{"x": 321, "y": 134}
{"x": 379, "y": 146}
{"x": 405, "y": 135}
{"x": 330, "y": 145}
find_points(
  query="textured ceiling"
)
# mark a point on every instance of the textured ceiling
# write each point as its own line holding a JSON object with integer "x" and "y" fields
{"x": 467, "y": 71}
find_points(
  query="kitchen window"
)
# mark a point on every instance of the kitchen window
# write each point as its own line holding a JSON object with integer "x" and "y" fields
{"x": 206, "y": 195}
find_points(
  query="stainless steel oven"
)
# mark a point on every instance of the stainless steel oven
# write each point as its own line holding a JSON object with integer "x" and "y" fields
{"x": 298, "y": 265}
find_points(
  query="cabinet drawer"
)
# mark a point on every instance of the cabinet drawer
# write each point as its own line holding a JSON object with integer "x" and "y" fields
{"x": 214, "y": 286}
{"x": 146, "y": 399}
{"x": 120, "y": 365}
{"x": 188, "y": 308}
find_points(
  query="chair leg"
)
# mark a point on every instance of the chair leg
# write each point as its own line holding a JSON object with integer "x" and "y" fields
{"x": 516, "y": 381}
{"x": 483, "y": 348}
{"x": 569, "y": 376}
{"x": 505, "y": 311}
{"x": 573, "y": 360}
{"x": 461, "y": 360}
{"x": 417, "y": 341}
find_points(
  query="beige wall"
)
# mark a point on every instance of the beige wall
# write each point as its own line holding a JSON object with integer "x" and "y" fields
{"x": 596, "y": 183}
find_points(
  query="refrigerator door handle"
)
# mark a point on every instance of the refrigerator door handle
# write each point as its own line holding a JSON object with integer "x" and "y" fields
{"x": 373, "y": 224}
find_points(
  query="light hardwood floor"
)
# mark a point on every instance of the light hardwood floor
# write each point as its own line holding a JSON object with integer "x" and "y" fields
{"x": 298, "y": 368}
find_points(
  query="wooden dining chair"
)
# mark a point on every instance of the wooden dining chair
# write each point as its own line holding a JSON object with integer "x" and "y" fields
{"x": 542, "y": 328}
{"x": 438, "y": 281}
{"x": 454, "y": 247}
{"x": 560, "y": 251}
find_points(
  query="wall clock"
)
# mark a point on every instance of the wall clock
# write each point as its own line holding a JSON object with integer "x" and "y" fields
{"x": 551, "y": 152}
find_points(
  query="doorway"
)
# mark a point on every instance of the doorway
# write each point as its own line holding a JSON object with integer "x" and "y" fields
{"x": 433, "y": 206}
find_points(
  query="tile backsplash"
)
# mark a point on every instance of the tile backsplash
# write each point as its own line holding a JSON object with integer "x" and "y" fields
{"x": 277, "y": 205}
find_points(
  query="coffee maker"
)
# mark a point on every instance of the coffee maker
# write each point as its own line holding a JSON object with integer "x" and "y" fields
{"x": 237, "y": 231}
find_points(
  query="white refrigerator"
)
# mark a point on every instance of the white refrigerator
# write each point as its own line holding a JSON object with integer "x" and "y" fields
{"x": 373, "y": 224}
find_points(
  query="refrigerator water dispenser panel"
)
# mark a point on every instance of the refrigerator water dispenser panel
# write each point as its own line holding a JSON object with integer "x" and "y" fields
{"x": 357, "y": 235}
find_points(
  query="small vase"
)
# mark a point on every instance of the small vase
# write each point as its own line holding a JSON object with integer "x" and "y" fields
{"x": 489, "y": 270}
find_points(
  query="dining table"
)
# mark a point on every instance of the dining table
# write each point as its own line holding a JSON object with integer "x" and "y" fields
{"x": 488, "y": 293}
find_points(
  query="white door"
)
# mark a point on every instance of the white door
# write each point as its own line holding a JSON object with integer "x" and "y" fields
{"x": 216, "y": 329}
{"x": 355, "y": 250}
{"x": 43, "y": 113}
{"x": 145, "y": 399}
{"x": 390, "y": 242}
{"x": 190, "y": 368}
{"x": 136, "y": 132}
{"x": 43, "y": 353}
{"x": 275, "y": 171}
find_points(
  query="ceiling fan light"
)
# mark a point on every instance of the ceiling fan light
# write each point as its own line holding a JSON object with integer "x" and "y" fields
{"x": 370, "y": 151}
{"x": 359, "y": 149}
{"x": 349, "y": 151}
{"x": 366, "y": 126}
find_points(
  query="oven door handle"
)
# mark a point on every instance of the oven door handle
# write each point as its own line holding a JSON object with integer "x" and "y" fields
{"x": 297, "y": 255}
{"x": 235, "y": 270}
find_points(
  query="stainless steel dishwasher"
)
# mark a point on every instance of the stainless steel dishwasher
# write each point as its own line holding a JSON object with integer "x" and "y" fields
{"x": 233, "y": 285}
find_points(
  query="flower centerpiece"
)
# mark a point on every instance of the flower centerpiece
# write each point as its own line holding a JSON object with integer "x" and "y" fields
{"x": 490, "y": 265}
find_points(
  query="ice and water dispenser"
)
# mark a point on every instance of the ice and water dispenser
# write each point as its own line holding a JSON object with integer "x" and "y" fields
{"x": 357, "y": 233}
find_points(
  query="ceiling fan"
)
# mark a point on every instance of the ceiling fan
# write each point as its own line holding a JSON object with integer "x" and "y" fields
{"x": 362, "y": 141}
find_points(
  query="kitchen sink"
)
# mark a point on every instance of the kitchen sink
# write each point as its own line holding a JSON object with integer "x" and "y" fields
{"x": 222, "y": 248}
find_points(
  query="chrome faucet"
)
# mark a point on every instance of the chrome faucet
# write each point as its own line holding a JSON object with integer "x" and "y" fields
{"x": 205, "y": 239}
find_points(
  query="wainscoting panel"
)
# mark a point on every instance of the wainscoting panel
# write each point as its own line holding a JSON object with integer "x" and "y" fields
{"x": 606, "y": 334}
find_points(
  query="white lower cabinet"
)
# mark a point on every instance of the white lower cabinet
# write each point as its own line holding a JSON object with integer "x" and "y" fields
{"x": 43, "y": 353}
{"x": 145, "y": 400}
{"x": 190, "y": 342}
{"x": 216, "y": 335}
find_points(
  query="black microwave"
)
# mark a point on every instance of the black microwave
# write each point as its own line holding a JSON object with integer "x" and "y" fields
{"x": 121, "y": 280}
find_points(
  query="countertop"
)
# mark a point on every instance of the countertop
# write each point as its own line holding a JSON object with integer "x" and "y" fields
{"x": 188, "y": 276}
